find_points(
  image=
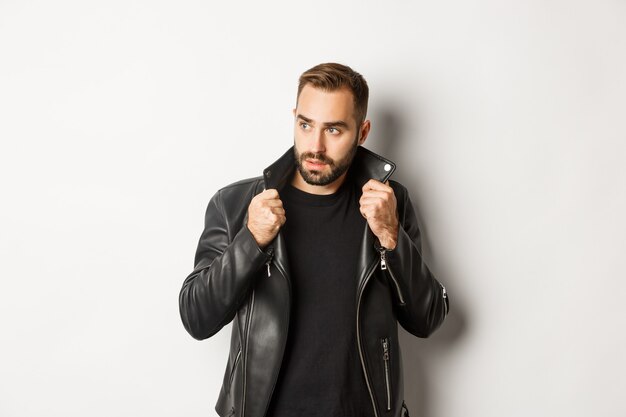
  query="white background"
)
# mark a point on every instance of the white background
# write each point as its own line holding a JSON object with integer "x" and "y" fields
{"x": 120, "y": 119}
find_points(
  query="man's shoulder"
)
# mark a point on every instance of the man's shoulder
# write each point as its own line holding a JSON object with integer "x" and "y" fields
{"x": 232, "y": 200}
{"x": 242, "y": 184}
{"x": 239, "y": 191}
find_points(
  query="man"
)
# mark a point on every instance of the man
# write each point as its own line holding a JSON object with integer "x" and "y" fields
{"x": 315, "y": 263}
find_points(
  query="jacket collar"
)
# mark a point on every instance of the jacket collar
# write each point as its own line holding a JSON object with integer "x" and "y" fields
{"x": 366, "y": 165}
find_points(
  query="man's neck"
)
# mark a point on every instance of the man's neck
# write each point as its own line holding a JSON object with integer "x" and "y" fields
{"x": 298, "y": 182}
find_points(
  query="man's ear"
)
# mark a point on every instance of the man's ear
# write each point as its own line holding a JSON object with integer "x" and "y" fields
{"x": 364, "y": 131}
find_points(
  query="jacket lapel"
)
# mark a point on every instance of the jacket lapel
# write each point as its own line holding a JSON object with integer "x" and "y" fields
{"x": 279, "y": 173}
{"x": 365, "y": 166}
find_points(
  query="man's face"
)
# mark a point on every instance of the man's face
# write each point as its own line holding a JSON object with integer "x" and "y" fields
{"x": 326, "y": 134}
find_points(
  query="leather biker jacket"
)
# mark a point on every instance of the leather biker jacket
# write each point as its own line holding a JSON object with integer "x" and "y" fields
{"x": 234, "y": 280}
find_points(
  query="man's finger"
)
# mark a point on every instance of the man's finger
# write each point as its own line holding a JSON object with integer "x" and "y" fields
{"x": 375, "y": 185}
{"x": 269, "y": 193}
{"x": 278, "y": 210}
{"x": 375, "y": 194}
{"x": 274, "y": 202}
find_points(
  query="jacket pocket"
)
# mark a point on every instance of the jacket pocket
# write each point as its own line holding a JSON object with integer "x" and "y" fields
{"x": 387, "y": 367}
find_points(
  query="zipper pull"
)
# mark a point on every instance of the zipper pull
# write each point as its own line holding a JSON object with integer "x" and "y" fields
{"x": 385, "y": 349}
{"x": 383, "y": 259}
{"x": 269, "y": 261}
{"x": 444, "y": 295}
{"x": 385, "y": 343}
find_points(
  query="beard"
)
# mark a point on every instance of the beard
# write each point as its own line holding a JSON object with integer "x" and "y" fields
{"x": 337, "y": 168}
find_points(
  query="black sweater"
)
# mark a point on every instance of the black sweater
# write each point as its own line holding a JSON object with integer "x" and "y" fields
{"x": 321, "y": 373}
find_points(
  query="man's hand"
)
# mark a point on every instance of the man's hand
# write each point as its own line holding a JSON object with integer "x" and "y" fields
{"x": 265, "y": 217}
{"x": 378, "y": 206}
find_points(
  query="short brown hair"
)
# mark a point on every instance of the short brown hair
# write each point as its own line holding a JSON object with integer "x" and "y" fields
{"x": 331, "y": 77}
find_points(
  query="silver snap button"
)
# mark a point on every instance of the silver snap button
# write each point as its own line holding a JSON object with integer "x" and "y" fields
{"x": 387, "y": 167}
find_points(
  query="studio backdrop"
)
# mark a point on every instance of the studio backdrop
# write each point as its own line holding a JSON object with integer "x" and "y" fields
{"x": 119, "y": 120}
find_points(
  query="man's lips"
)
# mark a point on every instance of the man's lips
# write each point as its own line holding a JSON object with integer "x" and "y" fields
{"x": 315, "y": 163}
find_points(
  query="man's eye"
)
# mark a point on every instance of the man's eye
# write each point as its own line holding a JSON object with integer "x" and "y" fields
{"x": 304, "y": 125}
{"x": 333, "y": 130}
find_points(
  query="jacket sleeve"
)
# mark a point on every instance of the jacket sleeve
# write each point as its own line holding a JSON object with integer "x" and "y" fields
{"x": 223, "y": 274}
{"x": 422, "y": 302}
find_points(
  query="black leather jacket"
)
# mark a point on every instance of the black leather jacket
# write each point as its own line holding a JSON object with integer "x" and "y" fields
{"x": 234, "y": 280}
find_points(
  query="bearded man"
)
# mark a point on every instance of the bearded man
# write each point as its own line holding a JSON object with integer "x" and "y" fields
{"x": 315, "y": 263}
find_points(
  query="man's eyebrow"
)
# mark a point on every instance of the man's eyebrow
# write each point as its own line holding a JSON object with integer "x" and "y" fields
{"x": 339, "y": 123}
{"x": 306, "y": 119}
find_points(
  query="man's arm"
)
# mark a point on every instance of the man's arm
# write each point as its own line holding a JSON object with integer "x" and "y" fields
{"x": 223, "y": 274}
{"x": 425, "y": 301}
{"x": 421, "y": 301}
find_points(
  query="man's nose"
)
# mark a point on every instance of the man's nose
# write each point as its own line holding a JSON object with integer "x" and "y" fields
{"x": 318, "y": 142}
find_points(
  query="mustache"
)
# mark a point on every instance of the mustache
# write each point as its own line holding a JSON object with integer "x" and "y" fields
{"x": 317, "y": 156}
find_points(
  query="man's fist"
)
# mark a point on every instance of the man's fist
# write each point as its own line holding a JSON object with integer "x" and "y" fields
{"x": 265, "y": 217}
{"x": 378, "y": 206}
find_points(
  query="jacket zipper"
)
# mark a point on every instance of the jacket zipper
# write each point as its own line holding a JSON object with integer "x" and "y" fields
{"x": 445, "y": 297}
{"x": 371, "y": 270}
{"x": 281, "y": 271}
{"x": 385, "y": 343}
{"x": 270, "y": 253}
{"x": 385, "y": 267}
{"x": 245, "y": 363}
